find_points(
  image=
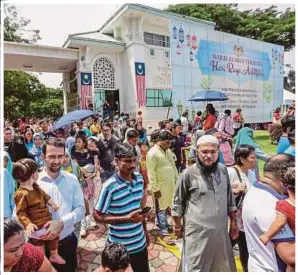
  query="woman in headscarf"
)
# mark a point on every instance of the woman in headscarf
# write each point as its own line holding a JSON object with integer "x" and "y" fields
{"x": 29, "y": 138}
{"x": 225, "y": 150}
{"x": 74, "y": 169}
{"x": 36, "y": 150}
{"x": 142, "y": 134}
{"x": 80, "y": 156}
{"x": 69, "y": 166}
{"x": 17, "y": 148}
{"x": 9, "y": 186}
{"x": 245, "y": 137}
{"x": 275, "y": 129}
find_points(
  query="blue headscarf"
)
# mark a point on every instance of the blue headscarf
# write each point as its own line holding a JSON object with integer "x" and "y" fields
{"x": 37, "y": 151}
{"x": 245, "y": 137}
{"x": 9, "y": 162}
{"x": 74, "y": 167}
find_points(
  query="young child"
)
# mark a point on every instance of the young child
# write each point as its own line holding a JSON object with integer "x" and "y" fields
{"x": 143, "y": 170}
{"x": 91, "y": 172}
{"x": 114, "y": 258}
{"x": 93, "y": 155}
{"x": 285, "y": 210}
{"x": 31, "y": 206}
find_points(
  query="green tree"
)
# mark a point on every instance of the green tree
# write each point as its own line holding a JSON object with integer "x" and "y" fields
{"x": 50, "y": 106}
{"x": 16, "y": 27}
{"x": 24, "y": 95}
{"x": 269, "y": 25}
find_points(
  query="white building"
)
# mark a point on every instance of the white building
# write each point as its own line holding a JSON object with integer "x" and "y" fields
{"x": 108, "y": 56}
{"x": 135, "y": 33}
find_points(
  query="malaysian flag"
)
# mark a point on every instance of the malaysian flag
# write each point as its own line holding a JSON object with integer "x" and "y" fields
{"x": 140, "y": 81}
{"x": 86, "y": 90}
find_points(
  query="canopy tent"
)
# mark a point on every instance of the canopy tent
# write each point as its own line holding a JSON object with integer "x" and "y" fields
{"x": 288, "y": 97}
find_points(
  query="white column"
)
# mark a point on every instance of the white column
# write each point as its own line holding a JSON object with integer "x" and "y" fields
{"x": 66, "y": 90}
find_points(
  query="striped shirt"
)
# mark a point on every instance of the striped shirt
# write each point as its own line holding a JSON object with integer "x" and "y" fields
{"x": 119, "y": 197}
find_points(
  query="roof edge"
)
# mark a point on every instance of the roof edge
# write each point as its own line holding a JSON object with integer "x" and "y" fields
{"x": 173, "y": 14}
{"x": 121, "y": 9}
{"x": 101, "y": 41}
{"x": 138, "y": 7}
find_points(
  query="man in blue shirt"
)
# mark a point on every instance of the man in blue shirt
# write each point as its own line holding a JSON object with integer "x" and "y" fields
{"x": 66, "y": 192}
{"x": 283, "y": 144}
{"x": 71, "y": 140}
{"x": 119, "y": 205}
{"x": 291, "y": 138}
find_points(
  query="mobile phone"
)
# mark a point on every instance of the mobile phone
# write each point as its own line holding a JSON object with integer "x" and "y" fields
{"x": 146, "y": 210}
{"x": 38, "y": 233}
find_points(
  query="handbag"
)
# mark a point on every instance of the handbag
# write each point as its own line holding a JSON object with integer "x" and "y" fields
{"x": 239, "y": 199}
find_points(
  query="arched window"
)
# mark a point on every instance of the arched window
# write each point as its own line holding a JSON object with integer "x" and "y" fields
{"x": 103, "y": 74}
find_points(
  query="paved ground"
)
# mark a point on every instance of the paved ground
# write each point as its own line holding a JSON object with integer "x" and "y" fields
{"x": 91, "y": 247}
{"x": 161, "y": 259}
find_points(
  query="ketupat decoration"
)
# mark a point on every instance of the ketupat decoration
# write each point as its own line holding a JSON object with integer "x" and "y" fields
{"x": 267, "y": 91}
{"x": 207, "y": 82}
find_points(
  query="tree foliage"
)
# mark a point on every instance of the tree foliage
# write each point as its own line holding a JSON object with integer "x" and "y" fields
{"x": 16, "y": 27}
{"x": 289, "y": 81}
{"x": 268, "y": 25}
{"x": 24, "y": 95}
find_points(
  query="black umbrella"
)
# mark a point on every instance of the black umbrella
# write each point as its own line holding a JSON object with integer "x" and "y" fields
{"x": 209, "y": 96}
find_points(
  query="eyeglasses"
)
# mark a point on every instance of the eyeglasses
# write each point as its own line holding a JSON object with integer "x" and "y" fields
{"x": 106, "y": 130}
{"x": 212, "y": 152}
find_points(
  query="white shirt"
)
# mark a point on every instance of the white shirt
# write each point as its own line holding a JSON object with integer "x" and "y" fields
{"x": 248, "y": 180}
{"x": 66, "y": 192}
{"x": 258, "y": 213}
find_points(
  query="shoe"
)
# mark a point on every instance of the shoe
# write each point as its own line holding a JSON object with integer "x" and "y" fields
{"x": 83, "y": 232}
{"x": 92, "y": 225}
{"x": 56, "y": 259}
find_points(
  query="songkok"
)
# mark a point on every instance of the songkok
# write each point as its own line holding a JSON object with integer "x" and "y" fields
{"x": 207, "y": 139}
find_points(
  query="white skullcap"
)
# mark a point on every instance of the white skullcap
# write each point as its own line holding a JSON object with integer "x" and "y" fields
{"x": 207, "y": 139}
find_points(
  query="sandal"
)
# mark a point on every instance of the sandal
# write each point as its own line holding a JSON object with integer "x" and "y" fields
{"x": 168, "y": 240}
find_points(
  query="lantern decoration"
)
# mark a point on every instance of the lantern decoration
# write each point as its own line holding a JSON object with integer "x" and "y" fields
{"x": 194, "y": 42}
{"x": 281, "y": 60}
{"x": 175, "y": 32}
{"x": 191, "y": 55}
{"x": 188, "y": 40}
{"x": 179, "y": 108}
{"x": 178, "y": 49}
{"x": 193, "y": 114}
{"x": 181, "y": 35}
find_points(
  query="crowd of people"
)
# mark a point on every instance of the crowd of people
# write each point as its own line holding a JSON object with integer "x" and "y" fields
{"x": 203, "y": 178}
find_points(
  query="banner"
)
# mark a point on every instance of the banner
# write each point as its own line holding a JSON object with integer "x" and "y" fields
{"x": 140, "y": 83}
{"x": 249, "y": 72}
{"x": 86, "y": 90}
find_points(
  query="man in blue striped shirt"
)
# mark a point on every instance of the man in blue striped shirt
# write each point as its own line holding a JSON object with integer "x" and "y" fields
{"x": 119, "y": 205}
